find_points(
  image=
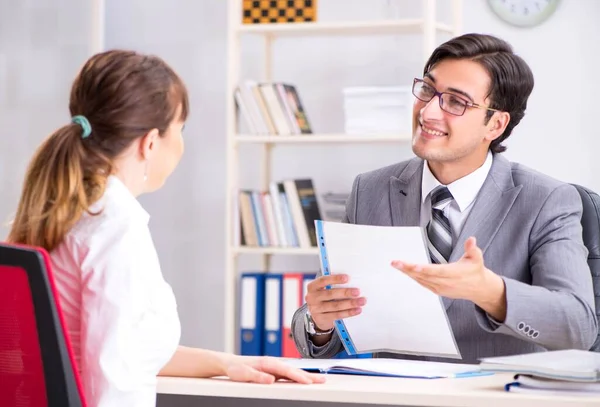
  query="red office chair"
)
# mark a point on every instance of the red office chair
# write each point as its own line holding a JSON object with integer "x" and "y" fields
{"x": 37, "y": 368}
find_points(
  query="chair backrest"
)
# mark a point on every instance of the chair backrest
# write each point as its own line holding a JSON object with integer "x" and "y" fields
{"x": 590, "y": 221}
{"x": 36, "y": 362}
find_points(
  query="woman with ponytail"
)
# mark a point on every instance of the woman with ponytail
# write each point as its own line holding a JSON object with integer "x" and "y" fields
{"x": 79, "y": 203}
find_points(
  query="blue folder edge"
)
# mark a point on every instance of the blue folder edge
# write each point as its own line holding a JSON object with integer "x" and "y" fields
{"x": 339, "y": 324}
{"x": 463, "y": 375}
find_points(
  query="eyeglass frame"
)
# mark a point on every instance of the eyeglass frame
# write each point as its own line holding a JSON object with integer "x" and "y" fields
{"x": 439, "y": 95}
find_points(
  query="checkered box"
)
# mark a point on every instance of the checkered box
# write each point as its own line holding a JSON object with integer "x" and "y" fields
{"x": 279, "y": 11}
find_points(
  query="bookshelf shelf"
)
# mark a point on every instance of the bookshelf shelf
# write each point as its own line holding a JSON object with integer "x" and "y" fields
{"x": 411, "y": 26}
{"x": 444, "y": 28}
{"x": 323, "y": 138}
{"x": 427, "y": 26}
{"x": 276, "y": 250}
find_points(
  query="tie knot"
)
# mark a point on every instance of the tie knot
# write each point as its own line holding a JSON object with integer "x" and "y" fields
{"x": 440, "y": 197}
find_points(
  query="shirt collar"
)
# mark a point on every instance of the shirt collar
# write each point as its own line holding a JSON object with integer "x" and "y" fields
{"x": 117, "y": 192}
{"x": 463, "y": 190}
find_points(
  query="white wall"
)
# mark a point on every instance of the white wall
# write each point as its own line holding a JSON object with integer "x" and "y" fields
{"x": 557, "y": 136}
{"x": 42, "y": 44}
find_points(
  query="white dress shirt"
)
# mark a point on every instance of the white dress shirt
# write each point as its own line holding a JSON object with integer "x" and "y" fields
{"x": 121, "y": 315}
{"x": 463, "y": 190}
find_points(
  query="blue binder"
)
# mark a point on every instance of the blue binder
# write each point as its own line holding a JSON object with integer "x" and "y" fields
{"x": 252, "y": 300}
{"x": 273, "y": 314}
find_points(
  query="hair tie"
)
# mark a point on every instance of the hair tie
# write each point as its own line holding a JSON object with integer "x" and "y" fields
{"x": 84, "y": 123}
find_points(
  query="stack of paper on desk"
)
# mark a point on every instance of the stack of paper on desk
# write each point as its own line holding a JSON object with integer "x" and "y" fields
{"x": 387, "y": 367}
{"x": 532, "y": 384}
{"x": 566, "y": 365}
{"x": 400, "y": 315}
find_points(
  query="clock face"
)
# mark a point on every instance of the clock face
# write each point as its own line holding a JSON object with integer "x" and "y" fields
{"x": 523, "y": 13}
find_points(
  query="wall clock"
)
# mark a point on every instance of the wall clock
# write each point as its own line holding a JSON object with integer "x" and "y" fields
{"x": 523, "y": 13}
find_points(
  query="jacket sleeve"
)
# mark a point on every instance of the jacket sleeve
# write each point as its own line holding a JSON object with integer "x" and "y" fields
{"x": 556, "y": 310}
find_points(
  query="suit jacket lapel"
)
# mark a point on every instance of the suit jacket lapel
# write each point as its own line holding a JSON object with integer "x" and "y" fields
{"x": 492, "y": 204}
{"x": 405, "y": 195}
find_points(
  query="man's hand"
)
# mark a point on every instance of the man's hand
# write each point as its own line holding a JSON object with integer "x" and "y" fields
{"x": 467, "y": 279}
{"x": 325, "y": 306}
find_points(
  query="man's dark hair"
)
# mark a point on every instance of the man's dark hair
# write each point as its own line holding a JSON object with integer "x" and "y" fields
{"x": 511, "y": 79}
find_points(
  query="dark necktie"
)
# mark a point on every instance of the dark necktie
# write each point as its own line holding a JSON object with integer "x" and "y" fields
{"x": 438, "y": 229}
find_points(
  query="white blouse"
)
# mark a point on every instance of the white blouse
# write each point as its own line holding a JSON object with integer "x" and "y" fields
{"x": 120, "y": 313}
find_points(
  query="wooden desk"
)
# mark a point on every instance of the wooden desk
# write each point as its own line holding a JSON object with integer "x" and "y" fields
{"x": 476, "y": 392}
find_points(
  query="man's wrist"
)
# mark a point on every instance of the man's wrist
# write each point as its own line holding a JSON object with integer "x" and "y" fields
{"x": 492, "y": 297}
{"x": 317, "y": 336}
{"x": 318, "y": 331}
{"x": 312, "y": 328}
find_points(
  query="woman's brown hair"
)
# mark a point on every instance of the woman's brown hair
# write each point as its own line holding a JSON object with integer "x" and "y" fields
{"x": 123, "y": 95}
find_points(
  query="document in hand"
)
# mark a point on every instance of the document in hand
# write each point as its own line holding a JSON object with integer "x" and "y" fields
{"x": 387, "y": 367}
{"x": 400, "y": 315}
{"x": 567, "y": 365}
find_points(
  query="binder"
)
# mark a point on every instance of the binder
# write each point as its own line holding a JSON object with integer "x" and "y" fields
{"x": 252, "y": 293}
{"x": 293, "y": 289}
{"x": 272, "y": 345}
{"x": 308, "y": 277}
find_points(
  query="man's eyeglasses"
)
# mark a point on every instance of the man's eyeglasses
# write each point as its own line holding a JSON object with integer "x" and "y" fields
{"x": 449, "y": 102}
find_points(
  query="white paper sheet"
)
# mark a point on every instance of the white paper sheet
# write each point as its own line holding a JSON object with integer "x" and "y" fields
{"x": 400, "y": 315}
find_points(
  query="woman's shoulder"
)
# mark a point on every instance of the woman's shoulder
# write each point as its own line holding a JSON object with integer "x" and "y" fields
{"x": 114, "y": 214}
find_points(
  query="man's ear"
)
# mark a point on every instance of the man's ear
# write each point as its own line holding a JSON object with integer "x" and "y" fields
{"x": 148, "y": 144}
{"x": 497, "y": 125}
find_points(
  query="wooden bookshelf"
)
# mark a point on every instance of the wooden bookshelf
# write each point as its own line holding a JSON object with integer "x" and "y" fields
{"x": 427, "y": 26}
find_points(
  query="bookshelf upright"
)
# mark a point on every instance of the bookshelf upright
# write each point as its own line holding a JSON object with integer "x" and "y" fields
{"x": 427, "y": 27}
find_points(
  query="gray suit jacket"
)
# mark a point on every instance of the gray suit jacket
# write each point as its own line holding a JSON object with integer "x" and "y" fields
{"x": 528, "y": 226}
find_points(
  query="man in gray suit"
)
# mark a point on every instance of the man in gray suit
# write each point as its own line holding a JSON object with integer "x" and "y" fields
{"x": 505, "y": 241}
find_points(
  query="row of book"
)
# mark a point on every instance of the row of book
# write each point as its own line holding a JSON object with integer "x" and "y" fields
{"x": 267, "y": 303}
{"x": 271, "y": 108}
{"x": 283, "y": 216}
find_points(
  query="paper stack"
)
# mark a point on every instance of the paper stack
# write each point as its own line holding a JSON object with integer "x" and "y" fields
{"x": 378, "y": 109}
{"x": 564, "y": 371}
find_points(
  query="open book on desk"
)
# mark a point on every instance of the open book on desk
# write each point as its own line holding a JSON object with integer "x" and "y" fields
{"x": 566, "y": 365}
{"x": 400, "y": 315}
{"x": 388, "y": 368}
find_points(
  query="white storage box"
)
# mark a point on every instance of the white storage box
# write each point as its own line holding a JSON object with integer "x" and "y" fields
{"x": 378, "y": 110}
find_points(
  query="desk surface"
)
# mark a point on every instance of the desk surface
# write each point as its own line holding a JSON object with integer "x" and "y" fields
{"x": 475, "y": 391}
